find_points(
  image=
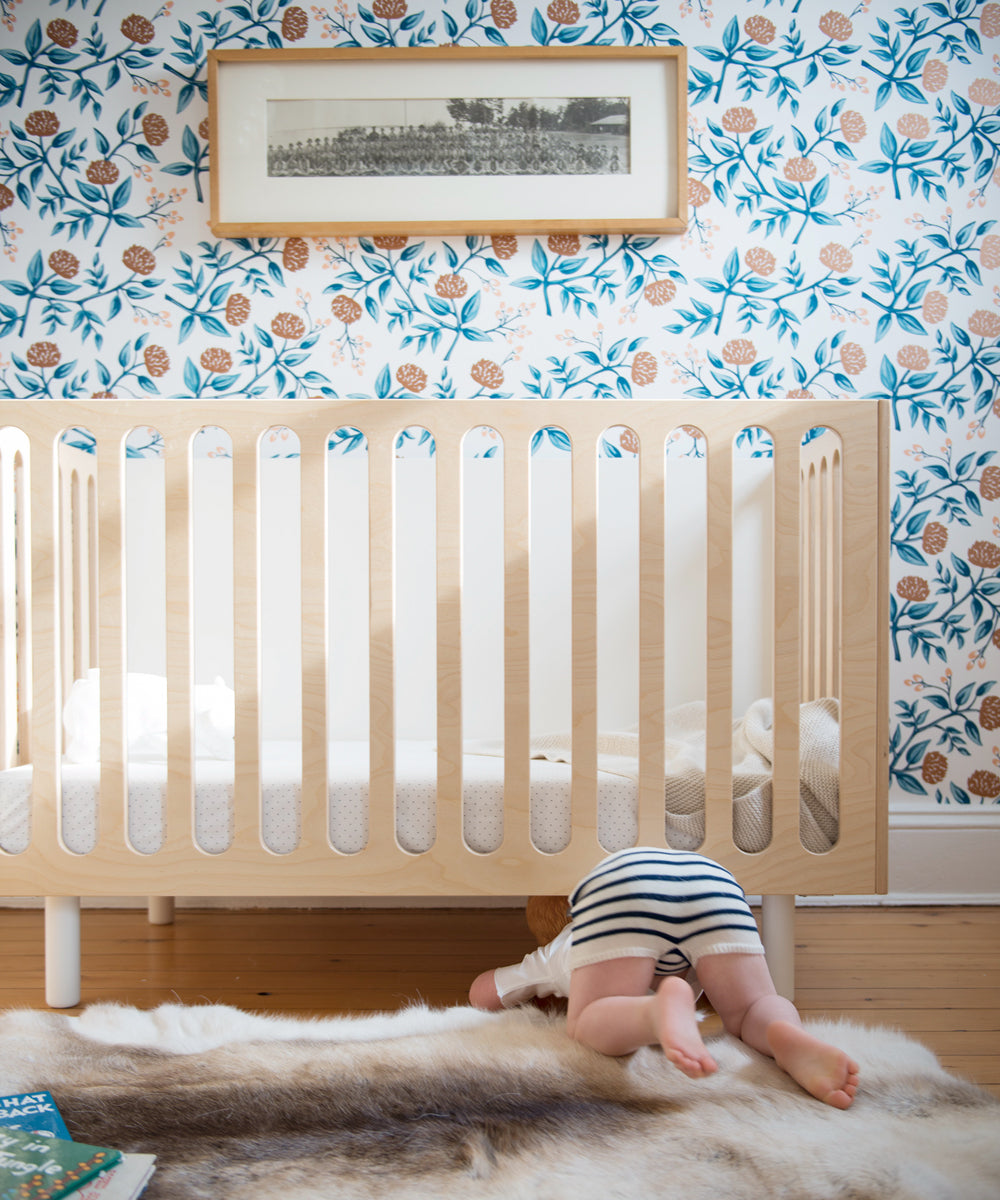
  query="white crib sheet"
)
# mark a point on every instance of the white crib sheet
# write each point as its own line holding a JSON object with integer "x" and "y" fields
{"x": 416, "y": 784}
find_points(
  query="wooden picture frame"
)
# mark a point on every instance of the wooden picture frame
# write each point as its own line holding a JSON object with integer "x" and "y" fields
{"x": 448, "y": 140}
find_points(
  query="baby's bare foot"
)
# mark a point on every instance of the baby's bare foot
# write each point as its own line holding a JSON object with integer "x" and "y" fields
{"x": 824, "y": 1071}
{"x": 677, "y": 1029}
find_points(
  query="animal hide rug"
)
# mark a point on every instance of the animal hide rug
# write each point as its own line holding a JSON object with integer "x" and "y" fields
{"x": 454, "y": 1103}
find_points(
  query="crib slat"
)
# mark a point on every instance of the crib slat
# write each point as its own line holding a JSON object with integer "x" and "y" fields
{"x": 113, "y": 798}
{"x": 382, "y": 698}
{"x": 652, "y": 649}
{"x": 719, "y": 646}
{"x": 312, "y": 565}
{"x": 448, "y": 460}
{"x": 517, "y": 644}
{"x": 246, "y": 641}
{"x": 178, "y": 482}
{"x": 46, "y": 613}
{"x": 786, "y": 667}
{"x": 584, "y": 671}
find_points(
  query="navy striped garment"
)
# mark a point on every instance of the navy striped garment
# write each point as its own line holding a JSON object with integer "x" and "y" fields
{"x": 669, "y": 905}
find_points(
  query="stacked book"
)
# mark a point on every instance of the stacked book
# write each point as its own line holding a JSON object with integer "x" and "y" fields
{"x": 40, "y": 1161}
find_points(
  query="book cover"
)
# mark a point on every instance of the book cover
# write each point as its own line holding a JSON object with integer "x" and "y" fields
{"x": 35, "y": 1111}
{"x": 34, "y": 1167}
{"x": 124, "y": 1182}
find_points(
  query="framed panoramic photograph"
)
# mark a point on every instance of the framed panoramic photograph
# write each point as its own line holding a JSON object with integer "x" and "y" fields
{"x": 448, "y": 140}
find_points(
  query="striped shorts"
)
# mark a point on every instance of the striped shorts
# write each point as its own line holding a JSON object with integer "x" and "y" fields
{"x": 667, "y": 905}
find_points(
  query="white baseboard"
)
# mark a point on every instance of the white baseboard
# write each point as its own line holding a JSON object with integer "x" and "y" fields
{"x": 935, "y": 857}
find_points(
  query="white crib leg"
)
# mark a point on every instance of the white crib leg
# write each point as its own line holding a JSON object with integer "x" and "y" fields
{"x": 62, "y": 951}
{"x": 778, "y": 935}
{"x": 161, "y": 910}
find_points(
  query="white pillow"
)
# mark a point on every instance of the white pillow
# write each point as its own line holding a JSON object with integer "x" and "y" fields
{"x": 146, "y": 719}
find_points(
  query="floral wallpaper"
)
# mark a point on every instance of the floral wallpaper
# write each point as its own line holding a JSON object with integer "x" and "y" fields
{"x": 844, "y": 177}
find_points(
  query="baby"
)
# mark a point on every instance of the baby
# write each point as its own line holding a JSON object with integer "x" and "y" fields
{"x": 645, "y": 919}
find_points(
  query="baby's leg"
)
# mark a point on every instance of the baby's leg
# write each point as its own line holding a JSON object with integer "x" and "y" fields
{"x": 740, "y": 990}
{"x": 612, "y": 1010}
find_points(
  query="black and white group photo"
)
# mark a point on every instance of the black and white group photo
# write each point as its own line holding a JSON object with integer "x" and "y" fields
{"x": 586, "y": 135}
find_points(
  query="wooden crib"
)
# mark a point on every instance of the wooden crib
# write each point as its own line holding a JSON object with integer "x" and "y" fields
{"x": 62, "y": 569}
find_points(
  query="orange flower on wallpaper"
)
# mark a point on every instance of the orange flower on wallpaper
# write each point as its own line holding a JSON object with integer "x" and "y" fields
{"x": 852, "y": 358}
{"x": 563, "y": 12}
{"x": 43, "y": 355}
{"x": 217, "y": 360}
{"x": 799, "y": 170}
{"x": 836, "y": 26}
{"x": 760, "y": 260}
{"x": 504, "y": 245}
{"x": 157, "y": 360}
{"x": 759, "y": 29}
{"x": 984, "y": 323}
{"x": 989, "y": 252}
{"x": 41, "y": 123}
{"x": 345, "y": 309}
{"x": 289, "y": 326}
{"x": 985, "y": 92}
{"x": 739, "y": 352}
{"x": 138, "y": 29}
{"x": 237, "y": 308}
{"x": 62, "y": 32}
{"x": 739, "y": 120}
{"x": 912, "y": 587}
{"x": 989, "y": 484}
{"x": 140, "y": 260}
{"x": 389, "y": 10}
{"x": 989, "y": 713}
{"x": 451, "y": 287}
{"x": 644, "y": 371}
{"x": 984, "y": 784}
{"x": 935, "y": 537}
{"x": 155, "y": 129}
{"x": 989, "y": 20}
{"x": 913, "y": 358}
{"x": 660, "y": 291}
{"x": 503, "y": 12}
{"x": 913, "y": 125}
{"x": 295, "y": 255}
{"x": 934, "y": 308}
{"x": 411, "y": 377}
{"x": 567, "y": 244}
{"x": 61, "y": 262}
{"x": 102, "y": 172}
{"x": 294, "y": 24}
{"x": 487, "y": 373}
{"x": 852, "y": 125}
{"x": 836, "y": 257}
{"x": 984, "y": 554}
{"x": 934, "y": 767}
{"x": 934, "y": 75}
{"x": 698, "y": 193}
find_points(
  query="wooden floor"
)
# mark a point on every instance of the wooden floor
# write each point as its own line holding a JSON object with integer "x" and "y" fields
{"x": 932, "y": 972}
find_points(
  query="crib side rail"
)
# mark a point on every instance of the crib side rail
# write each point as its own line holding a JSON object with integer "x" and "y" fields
{"x": 849, "y": 605}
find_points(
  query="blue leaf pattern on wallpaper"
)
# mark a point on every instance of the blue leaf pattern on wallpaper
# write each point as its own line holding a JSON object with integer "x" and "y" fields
{"x": 843, "y": 179}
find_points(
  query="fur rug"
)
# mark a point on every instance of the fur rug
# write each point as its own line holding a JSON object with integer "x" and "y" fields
{"x": 436, "y": 1105}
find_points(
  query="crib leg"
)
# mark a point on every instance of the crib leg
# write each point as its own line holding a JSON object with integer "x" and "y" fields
{"x": 161, "y": 910}
{"x": 778, "y": 935}
{"x": 62, "y": 951}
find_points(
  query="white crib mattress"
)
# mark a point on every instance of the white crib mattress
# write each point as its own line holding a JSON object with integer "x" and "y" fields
{"x": 483, "y": 790}
{"x": 416, "y": 785}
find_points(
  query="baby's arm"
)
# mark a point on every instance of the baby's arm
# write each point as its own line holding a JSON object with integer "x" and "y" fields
{"x": 544, "y": 972}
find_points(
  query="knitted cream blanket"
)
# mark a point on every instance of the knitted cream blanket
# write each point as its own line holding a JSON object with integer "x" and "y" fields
{"x": 753, "y": 756}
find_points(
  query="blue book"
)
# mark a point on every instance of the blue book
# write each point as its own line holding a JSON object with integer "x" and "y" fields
{"x": 33, "y": 1111}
